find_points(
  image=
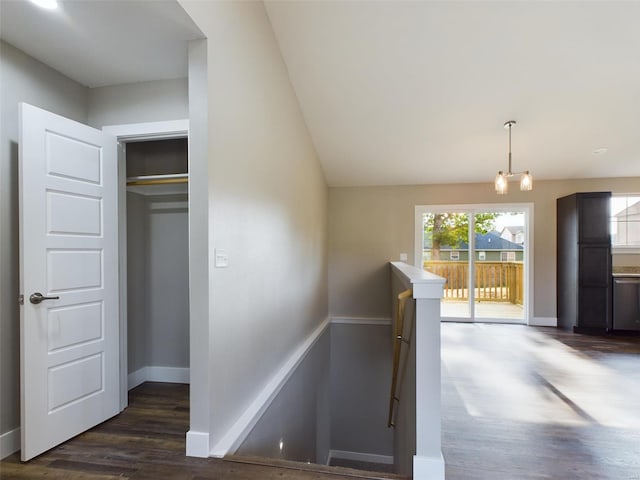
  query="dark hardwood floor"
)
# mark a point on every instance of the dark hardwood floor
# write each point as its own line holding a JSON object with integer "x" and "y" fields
{"x": 147, "y": 442}
{"x": 519, "y": 403}
{"x": 522, "y": 403}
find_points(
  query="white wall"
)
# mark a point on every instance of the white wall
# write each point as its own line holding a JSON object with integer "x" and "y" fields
{"x": 138, "y": 102}
{"x": 371, "y": 225}
{"x": 267, "y": 210}
{"x": 24, "y": 79}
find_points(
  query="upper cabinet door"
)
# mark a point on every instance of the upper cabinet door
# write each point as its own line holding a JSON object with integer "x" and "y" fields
{"x": 593, "y": 209}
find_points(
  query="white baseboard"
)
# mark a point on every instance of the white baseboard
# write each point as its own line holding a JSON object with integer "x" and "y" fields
{"x": 157, "y": 374}
{"x": 360, "y": 457}
{"x": 544, "y": 322}
{"x": 9, "y": 443}
{"x": 361, "y": 320}
{"x": 239, "y": 431}
{"x": 167, "y": 374}
{"x": 136, "y": 378}
{"x": 197, "y": 444}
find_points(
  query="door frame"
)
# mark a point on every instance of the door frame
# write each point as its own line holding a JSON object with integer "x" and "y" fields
{"x": 134, "y": 132}
{"x": 470, "y": 209}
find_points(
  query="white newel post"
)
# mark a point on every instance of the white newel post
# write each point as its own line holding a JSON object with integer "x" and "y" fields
{"x": 428, "y": 462}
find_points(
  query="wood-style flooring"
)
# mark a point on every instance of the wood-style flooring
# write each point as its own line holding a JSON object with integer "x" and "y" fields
{"x": 147, "y": 442}
{"x": 523, "y": 403}
{"x": 519, "y": 403}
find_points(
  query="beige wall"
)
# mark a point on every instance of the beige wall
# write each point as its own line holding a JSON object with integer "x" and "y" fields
{"x": 267, "y": 210}
{"x": 368, "y": 226}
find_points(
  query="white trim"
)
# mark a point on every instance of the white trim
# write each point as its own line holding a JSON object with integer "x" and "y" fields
{"x": 9, "y": 443}
{"x": 527, "y": 208}
{"x": 149, "y": 130}
{"x": 197, "y": 444}
{"x": 127, "y": 133}
{"x": 360, "y": 321}
{"x": 624, "y": 250}
{"x": 544, "y": 322}
{"x": 168, "y": 374}
{"x": 360, "y": 457}
{"x": 136, "y": 378}
{"x": 239, "y": 431}
{"x": 504, "y": 321}
{"x": 428, "y": 468}
{"x": 158, "y": 374}
{"x": 424, "y": 284}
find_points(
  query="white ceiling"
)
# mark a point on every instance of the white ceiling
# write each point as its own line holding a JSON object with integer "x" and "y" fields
{"x": 417, "y": 92}
{"x": 397, "y": 92}
{"x": 100, "y": 43}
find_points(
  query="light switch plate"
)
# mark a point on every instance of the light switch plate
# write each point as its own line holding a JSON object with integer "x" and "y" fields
{"x": 221, "y": 259}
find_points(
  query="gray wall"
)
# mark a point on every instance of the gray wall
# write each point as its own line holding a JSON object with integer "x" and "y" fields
{"x": 267, "y": 210}
{"x": 138, "y": 102}
{"x": 369, "y": 226}
{"x": 157, "y": 282}
{"x": 299, "y": 415}
{"x": 360, "y": 382}
{"x": 137, "y": 330}
{"x": 23, "y": 80}
{"x": 167, "y": 284}
{"x": 157, "y": 261}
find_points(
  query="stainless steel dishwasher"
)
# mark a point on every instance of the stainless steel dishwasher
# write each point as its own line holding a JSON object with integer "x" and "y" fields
{"x": 626, "y": 302}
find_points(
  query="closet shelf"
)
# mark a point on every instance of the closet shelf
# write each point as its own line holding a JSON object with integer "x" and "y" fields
{"x": 158, "y": 179}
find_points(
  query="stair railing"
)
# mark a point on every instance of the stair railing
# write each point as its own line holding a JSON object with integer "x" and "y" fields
{"x": 398, "y": 341}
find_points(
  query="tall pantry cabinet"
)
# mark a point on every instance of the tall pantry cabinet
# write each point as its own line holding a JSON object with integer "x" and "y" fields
{"x": 584, "y": 262}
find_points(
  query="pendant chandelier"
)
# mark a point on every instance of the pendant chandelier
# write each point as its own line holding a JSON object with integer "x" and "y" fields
{"x": 502, "y": 179}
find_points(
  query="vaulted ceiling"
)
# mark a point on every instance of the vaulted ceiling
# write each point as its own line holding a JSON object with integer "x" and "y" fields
{"x": 411, "y": 92}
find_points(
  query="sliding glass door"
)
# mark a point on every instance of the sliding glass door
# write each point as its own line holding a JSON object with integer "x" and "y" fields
{"x": 499, "y": 266}
{"x": 445, "y": 234}
{"x": 483, "y": 253}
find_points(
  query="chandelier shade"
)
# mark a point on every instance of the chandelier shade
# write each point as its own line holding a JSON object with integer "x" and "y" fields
{"x": 501, "y": 182}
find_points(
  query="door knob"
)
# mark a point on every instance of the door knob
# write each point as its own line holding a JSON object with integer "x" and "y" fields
{"x": 37, "y": 298}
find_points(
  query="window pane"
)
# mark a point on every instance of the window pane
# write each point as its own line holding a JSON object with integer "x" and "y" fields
{"x": 625, "y": 220}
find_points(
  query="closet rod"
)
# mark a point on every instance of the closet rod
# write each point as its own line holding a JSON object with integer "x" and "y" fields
{"x": 158, "y": 179}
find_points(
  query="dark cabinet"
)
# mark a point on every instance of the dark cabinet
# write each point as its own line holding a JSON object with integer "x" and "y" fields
{"x": 626, "y": 303}
{"x": 593, "y": 217}
{"x": 584, "y": 262}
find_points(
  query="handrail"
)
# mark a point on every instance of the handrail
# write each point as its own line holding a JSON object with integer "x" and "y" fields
{"x": 398, "y": 341}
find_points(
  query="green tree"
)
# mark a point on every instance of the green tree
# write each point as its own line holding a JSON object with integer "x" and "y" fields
{"x": 452, "y": 229}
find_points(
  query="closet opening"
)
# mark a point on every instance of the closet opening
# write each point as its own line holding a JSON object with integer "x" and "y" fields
{"x": 157, "y": 261}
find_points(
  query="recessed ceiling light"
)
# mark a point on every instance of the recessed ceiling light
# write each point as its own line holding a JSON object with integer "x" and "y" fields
{"x": 48, "y": 4}
{"x": 600, "y": 151}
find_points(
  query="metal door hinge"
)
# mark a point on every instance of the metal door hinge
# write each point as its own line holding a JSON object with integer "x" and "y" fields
{"x": 21, "y": 299}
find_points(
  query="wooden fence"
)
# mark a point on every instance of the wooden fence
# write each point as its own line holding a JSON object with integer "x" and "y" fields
{"x": 495, "y": 281}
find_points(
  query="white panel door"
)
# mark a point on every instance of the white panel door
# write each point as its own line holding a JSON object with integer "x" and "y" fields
{"x": 69, "y": 358}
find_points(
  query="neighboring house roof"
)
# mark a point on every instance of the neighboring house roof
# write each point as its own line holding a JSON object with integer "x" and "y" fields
{"x": 487, "y": 241}
{"x": 631, "y": 211}
{"x": 513, "y": 229}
